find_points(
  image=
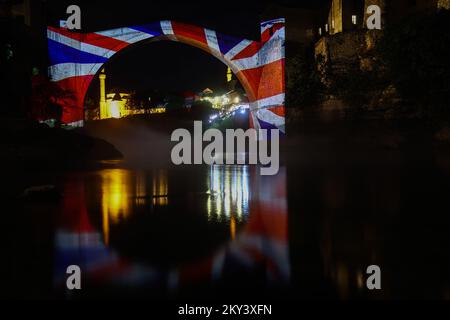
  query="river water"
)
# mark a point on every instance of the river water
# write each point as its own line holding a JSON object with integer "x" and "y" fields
{"x": 312, "y": 230}
{"x": 172, "y": 229}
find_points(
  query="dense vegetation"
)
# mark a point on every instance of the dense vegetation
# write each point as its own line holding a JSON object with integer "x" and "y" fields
{"x": 416, "y": 52}
{"x": 303, "y": 85}
{"x": 411, "y": 56}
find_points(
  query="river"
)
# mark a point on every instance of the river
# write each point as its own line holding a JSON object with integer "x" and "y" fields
{"x": 312, "y": 230}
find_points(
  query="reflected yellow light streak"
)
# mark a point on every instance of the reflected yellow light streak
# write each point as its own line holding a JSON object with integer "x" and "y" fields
{"x": 115, "y": 192}
{"x": 141, "y": 188}
{"x": 105, "y": 225}
{"x": 160, "y": 188}
{"x": 233, "y": 228}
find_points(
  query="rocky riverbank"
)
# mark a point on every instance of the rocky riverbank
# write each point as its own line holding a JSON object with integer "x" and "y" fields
{"x": 32, "y": 156}
{"x": 27, "y": 145}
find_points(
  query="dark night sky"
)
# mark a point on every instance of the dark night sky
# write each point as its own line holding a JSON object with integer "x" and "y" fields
{"x": 167, "y": 65}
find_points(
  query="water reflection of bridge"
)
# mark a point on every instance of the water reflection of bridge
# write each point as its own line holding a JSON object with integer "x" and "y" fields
{"x": 228, "y": 194}
{"x": 236, "y": 195}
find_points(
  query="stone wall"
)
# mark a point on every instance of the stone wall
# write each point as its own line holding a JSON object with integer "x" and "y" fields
{"x": 335, "y": 53}
{"x": 339, "y": 54}
{"x": 342, "y": 55}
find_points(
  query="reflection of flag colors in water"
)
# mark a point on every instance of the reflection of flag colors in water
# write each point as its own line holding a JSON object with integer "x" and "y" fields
{"x": 75, "y": 59}
{"x": 263, "y": 242}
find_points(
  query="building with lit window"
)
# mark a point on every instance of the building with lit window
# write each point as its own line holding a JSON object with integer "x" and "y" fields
{"x": 307, "y": 22}
{"x": 342, "y": 35}
{"x": 227, "y": 102}
{"x": 346, "y": 15}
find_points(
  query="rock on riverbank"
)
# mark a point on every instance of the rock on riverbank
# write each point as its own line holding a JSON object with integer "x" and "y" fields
{"x": 30, "y": 145}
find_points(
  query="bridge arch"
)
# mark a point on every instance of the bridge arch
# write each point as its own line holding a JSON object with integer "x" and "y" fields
{"x": 75, "y": 59}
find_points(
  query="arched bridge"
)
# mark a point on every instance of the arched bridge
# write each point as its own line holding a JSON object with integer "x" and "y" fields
{"x": 75, "y": 59}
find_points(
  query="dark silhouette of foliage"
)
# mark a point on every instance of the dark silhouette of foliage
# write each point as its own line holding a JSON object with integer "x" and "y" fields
{"x": 416, "y": 52}
{"x": 174, "y": 102}
{"x": 48, "y": 99}
{"x": 201, "y": 110}
{"x": 355, "y": 86}
{"x": 302, "y": 78}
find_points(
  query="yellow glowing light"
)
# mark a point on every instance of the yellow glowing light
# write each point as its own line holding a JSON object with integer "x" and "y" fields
{"x": 114, "y": 109}
{"x": 229, "y": 75}
{"x": 158, "y": 110}
{"x": 141, "y": 188}
{"x": 115, "y": 190}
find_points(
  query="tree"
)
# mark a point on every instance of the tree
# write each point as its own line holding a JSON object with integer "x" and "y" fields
{"x": 202, "y": 110}
{"x": 133, "y": 102}
{"x": 174, "y": 102}
{"x": 92, "y": 109}
{"x": 416, "y": 52}
{"x": 303, "y": 79}
{"x": 48, "y": 99}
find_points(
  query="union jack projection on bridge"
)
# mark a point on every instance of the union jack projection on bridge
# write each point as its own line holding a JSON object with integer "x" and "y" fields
{"x": 75, "y": 59}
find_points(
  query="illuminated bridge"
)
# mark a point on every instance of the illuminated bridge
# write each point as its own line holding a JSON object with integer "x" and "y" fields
{"x": 76, "y": 58}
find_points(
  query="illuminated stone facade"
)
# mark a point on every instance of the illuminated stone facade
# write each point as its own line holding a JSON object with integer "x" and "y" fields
{"x": 114, "y": 104}
{"x": 344, "y": 15}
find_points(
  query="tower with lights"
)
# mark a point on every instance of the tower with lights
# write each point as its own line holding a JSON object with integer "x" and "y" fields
{"x": 103, "y": 106}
